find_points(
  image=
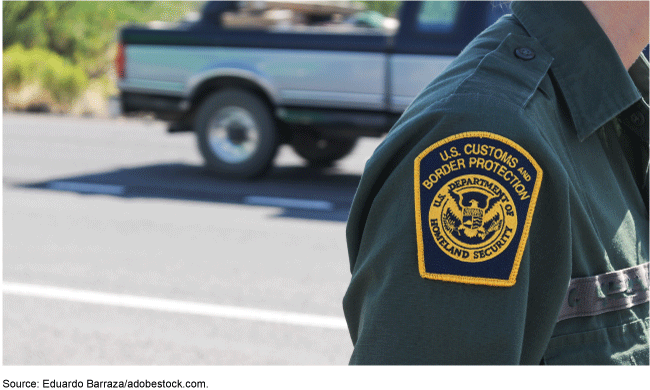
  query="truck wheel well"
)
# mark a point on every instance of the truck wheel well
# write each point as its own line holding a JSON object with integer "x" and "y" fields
{"x": 210, "y": 86}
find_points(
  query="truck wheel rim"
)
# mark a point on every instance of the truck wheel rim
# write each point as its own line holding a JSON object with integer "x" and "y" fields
{"x": 233, "y": 135}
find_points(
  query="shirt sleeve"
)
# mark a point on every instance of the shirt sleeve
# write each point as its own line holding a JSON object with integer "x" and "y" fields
{"x": 397, "y": 316}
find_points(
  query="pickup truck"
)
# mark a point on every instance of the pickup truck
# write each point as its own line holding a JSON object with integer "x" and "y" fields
{"x": 246, "y": 90}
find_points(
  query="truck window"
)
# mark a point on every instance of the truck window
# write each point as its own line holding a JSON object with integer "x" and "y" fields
{"x": 496, "y": 10}
{"x": 312, "y": 17}
{"x": 437, "y": 17}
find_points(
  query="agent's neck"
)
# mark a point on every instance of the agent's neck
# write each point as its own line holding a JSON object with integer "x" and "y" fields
{"x": 626, "y": 25}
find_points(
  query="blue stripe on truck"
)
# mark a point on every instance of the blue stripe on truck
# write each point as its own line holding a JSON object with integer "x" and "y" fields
{"x": 207, "y": 36}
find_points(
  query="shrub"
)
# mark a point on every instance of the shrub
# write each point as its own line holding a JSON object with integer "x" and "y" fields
{"x": 64, "y": 80}
{"x": 21, "y": 67}
{"x": 58, "y": 47}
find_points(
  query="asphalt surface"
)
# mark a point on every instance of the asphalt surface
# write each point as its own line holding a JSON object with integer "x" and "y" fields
{"x": 121, "y": 249}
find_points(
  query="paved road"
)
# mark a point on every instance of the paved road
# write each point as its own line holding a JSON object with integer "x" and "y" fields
{"x": 119, "y": 248}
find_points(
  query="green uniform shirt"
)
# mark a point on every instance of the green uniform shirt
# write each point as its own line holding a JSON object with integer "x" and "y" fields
{"x": 543, "y": 95}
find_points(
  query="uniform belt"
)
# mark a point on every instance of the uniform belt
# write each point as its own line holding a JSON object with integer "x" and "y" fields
{"x": 603, "y": 293}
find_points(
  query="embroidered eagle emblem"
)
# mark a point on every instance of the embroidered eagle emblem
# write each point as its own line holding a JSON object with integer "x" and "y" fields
{"x": 467, "y": 218}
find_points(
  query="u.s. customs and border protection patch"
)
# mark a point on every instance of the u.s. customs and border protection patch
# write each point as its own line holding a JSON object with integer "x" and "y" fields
{"x": 475, "y": 195}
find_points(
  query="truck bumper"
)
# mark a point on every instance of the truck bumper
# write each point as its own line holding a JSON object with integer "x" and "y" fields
{"x": 167, "y": 108}
{"x": 114, "y": 107}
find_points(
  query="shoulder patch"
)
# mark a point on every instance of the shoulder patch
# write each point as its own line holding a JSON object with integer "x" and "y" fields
{"x": 475, "y": 195}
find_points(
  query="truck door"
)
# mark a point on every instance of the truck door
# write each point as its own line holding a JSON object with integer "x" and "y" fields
{"x": 431, "y": 35}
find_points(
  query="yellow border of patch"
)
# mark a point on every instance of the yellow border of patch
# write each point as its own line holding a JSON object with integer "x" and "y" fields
{"x": 524, "y": 236}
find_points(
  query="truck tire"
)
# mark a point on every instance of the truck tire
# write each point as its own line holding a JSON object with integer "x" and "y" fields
{"x": 236, "y": 134}
{"x": 319, "y": 150}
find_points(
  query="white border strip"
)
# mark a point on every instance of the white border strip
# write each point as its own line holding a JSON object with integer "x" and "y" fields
{"x": 289, "y": 203}
{"x": 87, "y": 187}
{"x": 175, "y": 306}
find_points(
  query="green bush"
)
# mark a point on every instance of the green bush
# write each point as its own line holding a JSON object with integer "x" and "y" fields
{"x": 65, "y": 45}
{"x": 19, "y": 67}
{"x": 61, "y": 78}
{"x": 65, "y": 81}
{"x": 386, "y": 8}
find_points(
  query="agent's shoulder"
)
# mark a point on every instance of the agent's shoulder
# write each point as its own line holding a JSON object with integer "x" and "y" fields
{"x": 485, "y": 90}
{"x": 503, "y": 63}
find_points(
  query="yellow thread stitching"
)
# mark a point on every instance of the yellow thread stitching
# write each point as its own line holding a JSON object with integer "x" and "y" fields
{"x": 524, "y": 236}
{"x": 418, "y": 217}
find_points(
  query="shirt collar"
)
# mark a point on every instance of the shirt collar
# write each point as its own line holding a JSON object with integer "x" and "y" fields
{"x": 639, "y": 72}
{"x": 590, "y": 74}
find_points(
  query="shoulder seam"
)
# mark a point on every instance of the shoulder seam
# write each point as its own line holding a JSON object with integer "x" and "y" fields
{"x": 525, "y": 75}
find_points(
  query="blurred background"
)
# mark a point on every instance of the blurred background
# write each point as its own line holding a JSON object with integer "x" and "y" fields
{"x": 177, "y": 175}
{"x": 58, "y": 56}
